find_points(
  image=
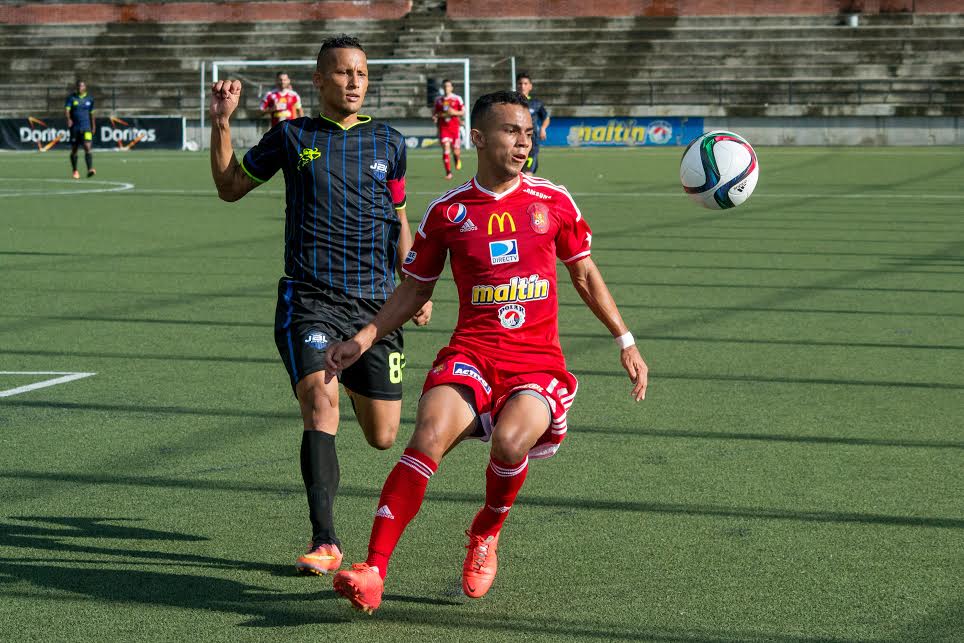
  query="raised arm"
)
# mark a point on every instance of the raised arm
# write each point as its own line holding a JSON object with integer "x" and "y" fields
{"x": 590, "y": 285}
{"x": 410, "y": 296}
{"x": 230, "y": 179}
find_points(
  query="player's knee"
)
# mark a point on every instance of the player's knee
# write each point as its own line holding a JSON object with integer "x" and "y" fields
{"x": 430, "y": 437}
{"x": 510, "y": 443}
{"x": 318, "y": 410}
{"x": 382, "y": 435}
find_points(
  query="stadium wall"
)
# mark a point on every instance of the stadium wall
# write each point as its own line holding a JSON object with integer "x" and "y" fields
{"x": 21, "y": 13}
{"x": 676, "y": 8}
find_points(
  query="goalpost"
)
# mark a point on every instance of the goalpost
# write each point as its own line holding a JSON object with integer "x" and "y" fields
{"x": 217, "y": 66}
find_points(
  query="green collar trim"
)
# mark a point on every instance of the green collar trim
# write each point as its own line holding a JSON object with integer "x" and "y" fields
{"x": 362, "y": 119}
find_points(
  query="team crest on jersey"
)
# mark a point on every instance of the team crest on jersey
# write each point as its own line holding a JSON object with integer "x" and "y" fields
{"x": 380, "y": 169}
{"x": 467, "y": 370}
{"x": 410, "y": 257}
{"x": 512, "y": 316}
{"x": 307, "y": 156}
{"x": 317, "y": 340}
{"x": 505, "y": 251}
{"x": 456, "y": 213}
{"x": 539, "y": 217}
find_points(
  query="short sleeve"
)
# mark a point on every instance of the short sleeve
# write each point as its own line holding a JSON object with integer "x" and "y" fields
{"x": 297, "y": 99}
{"x": 264, "y": 159}
{"x": 69, "y": 102}
{"x": 91, "y": 104}
{"x": 426, "y": 259}
{"x": 266, "y": 102}
{"x": 574, "y": 238}
{"x": 396, "y": 176}
{"x": 543, "y": 111}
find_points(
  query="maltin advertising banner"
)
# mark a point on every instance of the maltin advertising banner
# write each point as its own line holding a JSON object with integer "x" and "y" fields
{"x": 622, "y": 131}
{"x": 110, "y": 132}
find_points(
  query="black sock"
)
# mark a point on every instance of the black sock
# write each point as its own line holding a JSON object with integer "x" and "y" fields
{"x": 73, "y": 161}
{"x": 319, "y": 469}
{"x": 89, "y": 159}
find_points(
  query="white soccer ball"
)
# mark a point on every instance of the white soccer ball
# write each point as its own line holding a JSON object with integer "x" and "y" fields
{"x": 719, "y": 170}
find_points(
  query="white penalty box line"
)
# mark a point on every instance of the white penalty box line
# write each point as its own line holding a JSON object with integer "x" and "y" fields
{"x": 65, "y": 376}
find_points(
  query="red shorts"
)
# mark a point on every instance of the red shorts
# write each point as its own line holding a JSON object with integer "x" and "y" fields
{"x": 491, "y": 389}
{"x": 449, "y": 132}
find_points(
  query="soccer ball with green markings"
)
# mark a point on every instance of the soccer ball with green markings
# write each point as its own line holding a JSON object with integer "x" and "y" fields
{"x": 719, "y": 170}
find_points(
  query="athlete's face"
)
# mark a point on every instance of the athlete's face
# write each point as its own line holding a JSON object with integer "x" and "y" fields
{"x": 284, "y": 82}
{"x": 81, "y": 87}
{"x": 523, "y": 86}
{"x": 503, "y": 139}
{"x": 447, "y": 88}
{"x": 342, "y": 82}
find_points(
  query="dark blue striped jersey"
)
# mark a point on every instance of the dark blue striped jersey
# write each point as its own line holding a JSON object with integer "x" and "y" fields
{"x": 539, "y": 113}
{"x": 79, "y": 107}
{"x": 343, "y": 187}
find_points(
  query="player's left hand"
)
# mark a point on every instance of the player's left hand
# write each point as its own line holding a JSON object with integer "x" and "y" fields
{"x": 424, "y": 315}
{"x": 340, "y": 356}
{"x": 542, "y": 135}
{"x": 638, "y": 371}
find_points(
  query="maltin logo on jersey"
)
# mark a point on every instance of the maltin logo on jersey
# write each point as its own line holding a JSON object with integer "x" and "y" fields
{"x": 506, "y": 251}
{"x": 380, "y": 169}
{"x": 456, "y": 213}
{"x": 512, "y": 316}
{"x": 316, "y": 339}
{"x": 539, "y": 217}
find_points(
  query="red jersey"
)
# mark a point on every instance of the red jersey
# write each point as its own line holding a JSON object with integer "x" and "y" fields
{"x": 503, "y": 250}
{"x": 282, "y": 103}
{"x": 446, "y": 104}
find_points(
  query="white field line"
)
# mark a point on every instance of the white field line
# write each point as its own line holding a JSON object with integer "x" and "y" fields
{"x": 65, "y": 377}
{"x": 680, "y": 194}
{"x": 47, "y": 188}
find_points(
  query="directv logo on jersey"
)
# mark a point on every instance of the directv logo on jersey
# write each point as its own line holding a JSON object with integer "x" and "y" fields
{"x": 506, "y": 251}
{"x": 467, "y": 370}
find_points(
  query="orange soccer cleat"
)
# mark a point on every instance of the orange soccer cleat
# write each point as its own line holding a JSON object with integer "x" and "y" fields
{"x": 362, "y": 586}
{"x": 458, "y": 164}
{"x": 319, "y": 559}
{"x": 76, "y": 174}
{"x": 448, "y": 177}
{"x": 480, "y": 565}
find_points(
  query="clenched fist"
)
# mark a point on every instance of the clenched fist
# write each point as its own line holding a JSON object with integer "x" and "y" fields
{"x": 225, "y": 95}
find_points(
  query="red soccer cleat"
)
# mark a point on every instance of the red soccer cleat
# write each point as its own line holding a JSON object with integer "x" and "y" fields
{"x": 362, "y": 586}
{"x": 448, "y": 177}
{"x": 320, "y": 559}
{"x": 76, "y": 174}
{"x": 480, "y": 565}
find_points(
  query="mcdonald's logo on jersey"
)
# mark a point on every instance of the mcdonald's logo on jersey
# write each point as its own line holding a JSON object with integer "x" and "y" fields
{"x": 501, "y": 219}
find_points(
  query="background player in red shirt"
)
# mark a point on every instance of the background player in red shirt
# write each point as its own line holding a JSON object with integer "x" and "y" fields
{"x": 282, "y": 103}
{"x": 502, "y": 377}
{"x": 447, "y": 114}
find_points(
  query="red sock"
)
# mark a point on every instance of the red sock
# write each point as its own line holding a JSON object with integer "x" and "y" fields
{"x": 502, "y": 484}
{"x": 400, "y": 500}
{"x": 446, "y": 160}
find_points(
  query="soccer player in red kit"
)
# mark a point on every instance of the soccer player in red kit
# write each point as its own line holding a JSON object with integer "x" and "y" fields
{"x": 282, "y": 103}
{"x": 447, "y": 114}
{"x": 502, "y": 377}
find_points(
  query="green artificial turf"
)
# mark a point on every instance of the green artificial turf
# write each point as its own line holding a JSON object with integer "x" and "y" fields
{"x": 794, "y": 474}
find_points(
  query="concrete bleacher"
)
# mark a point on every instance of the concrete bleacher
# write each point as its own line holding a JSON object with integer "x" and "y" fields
{"x": 901, "y": 64}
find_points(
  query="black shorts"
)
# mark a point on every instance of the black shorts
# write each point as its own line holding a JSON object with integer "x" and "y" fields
{"x": 79, "y": 135}
{"x": 532, "y": 163}
{"x": 309, "y": 318}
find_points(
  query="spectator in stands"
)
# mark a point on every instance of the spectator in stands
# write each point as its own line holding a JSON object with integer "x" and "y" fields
{"x": 540, "y": 120}
{"x": 282, "y": 103}
{"x": 80, "y": 121}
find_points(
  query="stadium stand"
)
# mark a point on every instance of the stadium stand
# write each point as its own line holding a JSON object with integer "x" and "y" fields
{"x": 893, "y": 64}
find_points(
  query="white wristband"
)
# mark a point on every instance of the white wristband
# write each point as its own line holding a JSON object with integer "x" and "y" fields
{"x": 624, "y": 341}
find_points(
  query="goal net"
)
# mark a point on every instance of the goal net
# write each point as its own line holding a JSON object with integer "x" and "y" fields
{"x": 398, "y": 88}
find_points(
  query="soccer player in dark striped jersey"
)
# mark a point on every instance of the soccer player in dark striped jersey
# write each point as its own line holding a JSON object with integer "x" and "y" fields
{"x": 345, "y": 237}
{"x": 540, "y": 121}
{"x": 79, "y": 108}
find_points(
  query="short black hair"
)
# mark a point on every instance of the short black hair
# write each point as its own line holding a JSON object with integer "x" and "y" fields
{"x": 341, "y": 41}
{"x": 484, "y": 103}
{"x": 446, "y": 80}
{"x": 281, "y": 73}
{"x": 521, "y": 75}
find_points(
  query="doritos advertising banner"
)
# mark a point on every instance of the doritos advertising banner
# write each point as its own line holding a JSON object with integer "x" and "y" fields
{"x": 113, "y": 132}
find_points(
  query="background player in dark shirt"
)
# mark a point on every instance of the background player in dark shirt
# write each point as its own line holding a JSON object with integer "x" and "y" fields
{"x": 80, "y": 121}
{"x": 345, "y": 236}
{"x": 540, "y": 120}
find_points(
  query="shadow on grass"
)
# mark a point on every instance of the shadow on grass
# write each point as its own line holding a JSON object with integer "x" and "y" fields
{"x": 472, "y": 500}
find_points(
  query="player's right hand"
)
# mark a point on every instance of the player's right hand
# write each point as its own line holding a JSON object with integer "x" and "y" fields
{"x": 340, "y": 356}
{"x": 638, "y": 372}
{"x": 225, "y": 95}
